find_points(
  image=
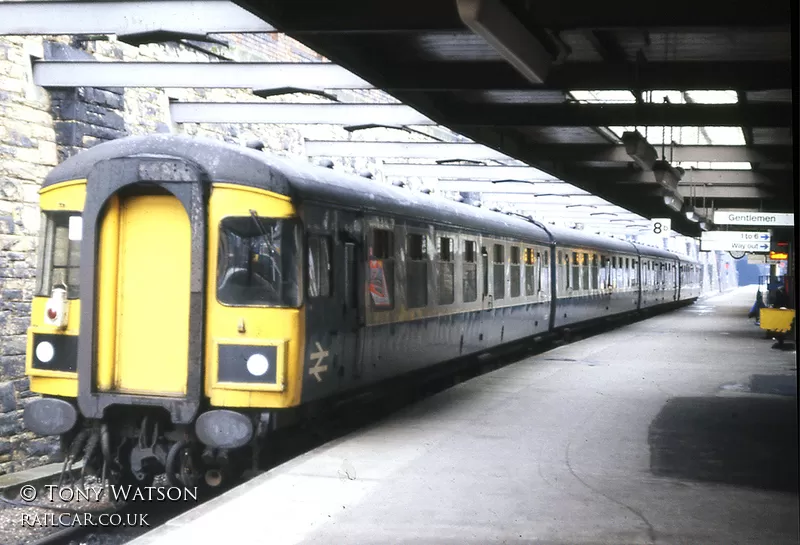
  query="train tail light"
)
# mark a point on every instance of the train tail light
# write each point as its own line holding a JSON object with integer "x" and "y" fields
{"x": 56, "y": 310}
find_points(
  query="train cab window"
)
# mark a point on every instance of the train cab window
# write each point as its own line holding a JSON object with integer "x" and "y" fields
{"x": 259, "y": 262}
{"x": 319, "y": 266}
{"x": 576, "y": 271}
{"x": 59, "y": 253}
{"x": 470, "y": 271}
{"x": 499, "y": 272}
{"x": 595, "y": 272}
{"x": 586, "y": 272}
{"x": 446, "y": 271}
{"x": 416, "y": 270}
{"x": 532, "y": 262}
{"x": 514, "y": 273}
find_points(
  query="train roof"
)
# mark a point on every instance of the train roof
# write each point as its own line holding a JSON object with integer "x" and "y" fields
{"x": 224, "y": 162}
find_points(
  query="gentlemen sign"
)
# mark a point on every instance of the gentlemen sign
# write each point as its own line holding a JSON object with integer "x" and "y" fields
{"x": 731, "y": 217}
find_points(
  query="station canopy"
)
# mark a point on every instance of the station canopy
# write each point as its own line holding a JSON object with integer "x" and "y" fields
{"x": 673, "y": 110}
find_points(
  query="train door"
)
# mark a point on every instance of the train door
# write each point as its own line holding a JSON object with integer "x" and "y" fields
{"x": 153, "y": 272}
{"x": 350, "y": 260}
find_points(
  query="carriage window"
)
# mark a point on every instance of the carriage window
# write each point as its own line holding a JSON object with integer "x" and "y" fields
{"x": 59, "y": 253}
{"x": 381, "y": 270}
{"x": 595, "y": 272}
{"x": 544, "y": 272}
{"x": 319, "y": 266}
{"x": 259, "y": 261}
{"x": 382, "y": 246}
{"x": 514, "y": 273}
{"x": 499, "y": 273}
{"x": 585, "y": 267}
{"x": 416, "y": 270}
{"x": 532, "y": 261}
{"x": 576, "y": 271}
{"x": 470, "y": 271}
{"x": 446, "y": 271}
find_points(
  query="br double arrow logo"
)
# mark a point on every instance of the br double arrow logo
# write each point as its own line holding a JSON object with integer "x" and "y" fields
{"x": 318, "y": 357}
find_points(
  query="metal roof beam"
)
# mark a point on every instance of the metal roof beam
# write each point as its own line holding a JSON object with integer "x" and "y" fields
{"x": 549, "y": 189}
{"x": 428, "y": 76}
{"x": 308, "y": 17}
{"x": 635, "y": 15}
{"x": 590, "y": 76}
{"x": 691, "y": 177}
{"x": 554, "y": 152}
{"x": 303, "y": 114}
{"x": 714, "y": 192}
{"x": 398, "y": 150}
{"x": 466, "y": 172}
{"x": 126, "y": 18}
{"x": 604, "y": 115}
{"x": 244, "y": 75}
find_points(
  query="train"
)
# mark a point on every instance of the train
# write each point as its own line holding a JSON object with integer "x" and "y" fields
{"x": 193, "y": 296}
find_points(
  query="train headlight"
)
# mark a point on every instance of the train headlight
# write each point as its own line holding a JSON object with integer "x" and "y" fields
{"x": 257, "y": 364}
{"x": 45, "y": 352}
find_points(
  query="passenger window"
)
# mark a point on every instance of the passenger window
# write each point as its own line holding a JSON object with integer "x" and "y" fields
{"x": 416, "y": 271}
{"x": 595, "y": 272}
{"x": 319, "y": 266}
{"x": 446, "y": 271}
{"x": 576, "y": 271}
{"x": 381, "y": 269}
{"x": 532, "y": 263}
{"x": 515, "y": 273}
{"x": 499, "y": 273}
{"x": 544, "y": 272}
{"x": 470, "y": 271}
{"x": 586, "y": 273}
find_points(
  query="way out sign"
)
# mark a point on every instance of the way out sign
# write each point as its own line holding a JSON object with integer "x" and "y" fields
{"x": 735, "y": 241}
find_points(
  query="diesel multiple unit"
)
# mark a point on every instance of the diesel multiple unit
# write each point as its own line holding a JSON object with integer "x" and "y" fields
{"x": 192, "y": 295}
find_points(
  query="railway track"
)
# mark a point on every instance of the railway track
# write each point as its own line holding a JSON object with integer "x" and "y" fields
{"x": 343, "y": 418}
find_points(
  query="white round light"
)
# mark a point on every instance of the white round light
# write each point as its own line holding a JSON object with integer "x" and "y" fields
{"x": 257, "y": 364}
{"x": 44, "y": 351}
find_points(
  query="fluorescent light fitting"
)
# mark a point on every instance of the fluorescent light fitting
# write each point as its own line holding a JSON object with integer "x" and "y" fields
{"x": 639, "y": 149}
{"x": 491, "y": 20}
{"x": 667, "y": 175}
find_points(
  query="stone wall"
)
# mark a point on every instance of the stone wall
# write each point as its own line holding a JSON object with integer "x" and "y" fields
{"x": 39, "y": 128}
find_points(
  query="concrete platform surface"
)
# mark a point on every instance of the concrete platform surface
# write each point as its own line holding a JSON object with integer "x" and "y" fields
{"x": 678, "y": 429}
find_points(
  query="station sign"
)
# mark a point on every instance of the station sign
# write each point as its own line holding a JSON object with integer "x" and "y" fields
{"x": 762, "y": 259}
{"x": 735, "y": 241}
{"x": 661, "y": 226}
{"x": 733, "y": 217}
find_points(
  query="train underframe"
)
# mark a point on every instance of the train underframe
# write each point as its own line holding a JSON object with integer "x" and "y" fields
{"x": 131, "y": 448}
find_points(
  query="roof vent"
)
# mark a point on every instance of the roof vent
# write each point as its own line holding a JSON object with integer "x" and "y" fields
{"x": 366, "y": 174}
{"x": 399, "y": 183}
{"x": 325, "y": 163}
{"x": 255, "y": 144}
{"x": 426, "y": 190}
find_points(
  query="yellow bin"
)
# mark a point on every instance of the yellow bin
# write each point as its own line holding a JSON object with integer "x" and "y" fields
{"x": 777, "y": 319}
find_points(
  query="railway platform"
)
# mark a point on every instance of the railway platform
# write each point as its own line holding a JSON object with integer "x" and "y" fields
{"x": 677, "y": 429}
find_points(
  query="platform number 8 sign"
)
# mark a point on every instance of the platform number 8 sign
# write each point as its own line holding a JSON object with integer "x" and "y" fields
{"x": 661, "y": 226}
